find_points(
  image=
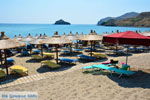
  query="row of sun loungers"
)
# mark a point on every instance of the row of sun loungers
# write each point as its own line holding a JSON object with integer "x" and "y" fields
{"x": 85, "y": 57}
{"x": 122, "y": 71}
{"x": 67, "y": 60}
{"x": 50, "y": 64}
{"x": 15, "y": 69}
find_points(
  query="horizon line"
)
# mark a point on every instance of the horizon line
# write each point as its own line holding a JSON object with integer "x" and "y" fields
{"x": 48, "y": 23}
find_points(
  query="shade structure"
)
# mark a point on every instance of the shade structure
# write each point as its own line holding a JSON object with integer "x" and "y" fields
{"x": 7, "y": 43}
{"x": 18, "y": 38}
{"x": 38, "y": 42}
{"x": 146, "y": 34}
{"x": 128, "y": 38}
{"x": 57, "y": 40}
{"x": 29, "y": 36}
{"x": 91, "y": 37}
{"x": 28, "y": 39}
{"x": 42, "y": 36}
{"x": 71, "y": 37}
{"x": 77, "y": 35}
{"x": 36, "y": 36}
{"x": 45, "y": 36}
{"x": 64, "y": 35}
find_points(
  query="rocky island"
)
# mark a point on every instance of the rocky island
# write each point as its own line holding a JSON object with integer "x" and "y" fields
{"x": 61, "y": 22}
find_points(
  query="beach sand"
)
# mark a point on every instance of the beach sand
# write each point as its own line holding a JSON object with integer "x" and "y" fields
{"x": 76, "y": 85}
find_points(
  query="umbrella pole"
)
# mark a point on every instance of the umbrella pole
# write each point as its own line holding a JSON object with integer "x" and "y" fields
{"x": 70, "y": 48}
{"x": 94, "y": 45}
{"x": 91, "y": 49}
{"x": 56, "y": 47}
{"x": 30, "y": 50}
{"x": 42, "y": 50}
{"x": 77, "y": 45}
{"x": 6, "y": 62}
{"x": 127, "y": 56}
{"x": 1, "y": 57}
{"x": 116, "y": 48}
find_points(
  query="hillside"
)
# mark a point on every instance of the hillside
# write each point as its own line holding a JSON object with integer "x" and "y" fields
{"x": 142, "y": 20}
{"x": 124, "y": 16}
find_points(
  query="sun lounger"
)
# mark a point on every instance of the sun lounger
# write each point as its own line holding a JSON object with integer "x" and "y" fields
{"x": 113, "y": 69}
{"x": 10, "y": 61}
{"x": 77, "y": 50}
{"x": 36, "y": 51}
{"x": 19, "y": 70}
{"x": 2, "y": 74}
{"x": 50, "y": 64}
{"x": 25, "y": 53}
{"x": 65, "y": 52}
{"x": 67, "y": 60}
{"x": 36, "y": 57}
{"x": 87, "y": 67}
{"x": 89, "y": 49}
{"x": 85, "y": 57}
{"x": 47, "y": 55}
{"x": 99, "y": 55}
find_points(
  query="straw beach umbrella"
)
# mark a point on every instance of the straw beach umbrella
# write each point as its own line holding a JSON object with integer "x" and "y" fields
{"x": 64, "y": 35}
{"x": 57, "y": 40}
{"x": 45, "y": 36}
{"x": 28, "y": 39}
{"x": 38, "y": 42}
{"x": 18, "y": 38}
{"x": 91, "y": 37}
{"x": 7, "y": 43}
{"x": 72, "y": 38}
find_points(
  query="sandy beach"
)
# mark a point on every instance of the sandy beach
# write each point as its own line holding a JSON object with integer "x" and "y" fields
{"x": 76, "y": 85}
{"x": 75, "y": 50}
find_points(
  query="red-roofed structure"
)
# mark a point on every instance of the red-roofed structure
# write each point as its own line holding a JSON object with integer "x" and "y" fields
{"x": 128, "y": 37}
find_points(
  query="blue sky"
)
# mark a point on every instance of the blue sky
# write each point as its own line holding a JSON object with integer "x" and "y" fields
{"x": 74, "y": 11}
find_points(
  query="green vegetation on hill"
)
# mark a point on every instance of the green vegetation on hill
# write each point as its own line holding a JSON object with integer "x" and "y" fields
{"x": 142, "y": 20}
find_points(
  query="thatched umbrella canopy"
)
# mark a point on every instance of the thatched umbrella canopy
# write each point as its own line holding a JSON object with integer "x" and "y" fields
{"x": 38, "y": 42}
{"x": 57, "y": 40}
{"x": 64, "y": 35}
{"x": 42, "y": 36}
{"x": 80, "y": 36}
{"x": 45, "y": 36}
{"x": 29, "y": 36}
{"x": 20, "y": 36}
{"x": 7, "y": 43}
{"x": 91, "y": 37}
{"x": 17, "y": 38}
{"x": 71, "y": 36}
{"x": 36, "y": 36}
{"x": 28, "y": 39}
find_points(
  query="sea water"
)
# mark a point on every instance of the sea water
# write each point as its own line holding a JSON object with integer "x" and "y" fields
{"x": 49, "y": 29}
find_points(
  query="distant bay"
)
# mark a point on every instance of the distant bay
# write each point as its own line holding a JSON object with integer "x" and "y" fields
{"x": 24, "y": 29}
